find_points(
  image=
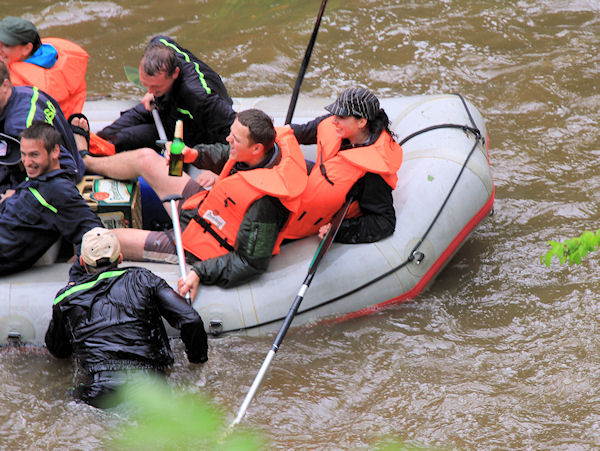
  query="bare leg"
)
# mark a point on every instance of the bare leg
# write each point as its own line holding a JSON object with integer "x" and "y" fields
{"x": 144, "y": 163}
{"x": 132, "y": 243}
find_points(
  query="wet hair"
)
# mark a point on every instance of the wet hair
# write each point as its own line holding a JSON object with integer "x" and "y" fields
{"x": 260, "y": 125}
{"x": 380, "y": 123}
{"x": 4, "y": 72}
{"x": 44, "y": 132}
{"x": 158, "y": 58}
{"x": 102, "y": 265}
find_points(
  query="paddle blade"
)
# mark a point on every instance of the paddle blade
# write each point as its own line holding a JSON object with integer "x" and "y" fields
{"x": 133, "y": 76}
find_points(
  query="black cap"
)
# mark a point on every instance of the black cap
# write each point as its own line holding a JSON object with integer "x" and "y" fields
{"x": 15, "y": 31}
{"x": 10, "y": 150}
{"x": 359, "y": 102}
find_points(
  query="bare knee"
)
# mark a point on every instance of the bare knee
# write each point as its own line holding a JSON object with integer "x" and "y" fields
{"x": 148, "y": 161}
{"x": 132, "y": 242}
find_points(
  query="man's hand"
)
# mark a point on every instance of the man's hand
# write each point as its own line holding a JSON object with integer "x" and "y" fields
{"x": 189, "y": 284}
{"x": 323, "y": 230}
{"x": 148, "y": 101}
{"x": 6, "y": 195}
{"x": 207, "y": 178}
{"x": 189, "y": 153}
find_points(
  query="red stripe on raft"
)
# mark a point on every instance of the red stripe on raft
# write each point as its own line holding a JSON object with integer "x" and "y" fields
{"x": 444, "y": 256}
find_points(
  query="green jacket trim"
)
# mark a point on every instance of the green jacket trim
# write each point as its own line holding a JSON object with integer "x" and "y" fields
{"x": 187, "y": 59}
{"x": 186, "y": 112}
{"x": 88, "y": 285}
{"x": 41, "y": 200}
{"x": 32, "y": 108}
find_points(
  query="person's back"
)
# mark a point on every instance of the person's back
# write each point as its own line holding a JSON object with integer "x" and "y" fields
{"x": 110, "y": 320}
{"x": 64, "y": 80}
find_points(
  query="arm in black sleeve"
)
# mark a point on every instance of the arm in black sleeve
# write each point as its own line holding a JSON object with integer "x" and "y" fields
{"x": 378, "y": 218}
{"x": 74, "y": 217}
{"x": 73, "y": 220}
{"x": 124, "y": 132}
{"x": 182, "y": 316}
{"x": 57, "y": 338}
{"x": 253, "y": 249}
{"x": 307, "y": 133}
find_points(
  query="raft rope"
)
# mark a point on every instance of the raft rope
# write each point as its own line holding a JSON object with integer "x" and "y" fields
{"x": 414, "y": 255}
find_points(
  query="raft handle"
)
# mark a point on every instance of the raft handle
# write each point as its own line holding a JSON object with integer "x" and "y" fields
{"x": 14, "y": 339}
{"x": 215, "y": 327}
{"x": 417, "y": 257}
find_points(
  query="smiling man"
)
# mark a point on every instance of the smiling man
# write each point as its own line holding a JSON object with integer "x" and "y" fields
{"x": 232, "y": 230}
{"x": 182, "y": 87}
{"x": 43, "y": 208}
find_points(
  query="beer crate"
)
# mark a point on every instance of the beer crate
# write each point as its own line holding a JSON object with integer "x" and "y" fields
{"x": 117, "y": 203}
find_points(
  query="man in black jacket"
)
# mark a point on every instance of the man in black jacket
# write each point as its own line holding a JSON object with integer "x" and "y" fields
{"x": 110, "y": 320}
{"x": 19, "y": 107}
{"x": 44, "y": 207}
{"x": 182, "y": 87}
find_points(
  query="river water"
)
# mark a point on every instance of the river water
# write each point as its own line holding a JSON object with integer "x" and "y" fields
{"x": 501, "y": 352}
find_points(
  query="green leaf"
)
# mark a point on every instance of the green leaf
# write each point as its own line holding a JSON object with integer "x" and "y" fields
{"x": 164, "y": 419}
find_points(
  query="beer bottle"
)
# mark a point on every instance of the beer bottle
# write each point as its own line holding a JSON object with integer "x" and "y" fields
{"x": 176, "y": 157}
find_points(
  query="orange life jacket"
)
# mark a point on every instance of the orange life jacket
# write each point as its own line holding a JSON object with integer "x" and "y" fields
{"x": 214, "y": 229}
{"x": 64, "y": 81}
{"x": 334, "y": 174}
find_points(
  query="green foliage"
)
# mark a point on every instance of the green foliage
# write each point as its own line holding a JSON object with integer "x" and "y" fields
{"x": 163, "y": 419}
{"x": 572, "y": 250}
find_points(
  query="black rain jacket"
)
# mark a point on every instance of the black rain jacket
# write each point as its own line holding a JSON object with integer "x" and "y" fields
{"x": 198, "y": 97}
{"x": 41, "y": 210}
{"x": 112, "y": 321}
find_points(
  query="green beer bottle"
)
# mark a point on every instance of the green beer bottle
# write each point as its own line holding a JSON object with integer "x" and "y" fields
{"x": 176, "y": 156}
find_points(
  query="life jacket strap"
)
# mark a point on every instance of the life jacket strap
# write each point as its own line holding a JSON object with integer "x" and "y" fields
{"x": 207, "y": 226}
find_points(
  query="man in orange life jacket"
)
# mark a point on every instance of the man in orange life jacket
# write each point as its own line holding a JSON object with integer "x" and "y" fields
{"x": 232, "y": 230}
{"x": 54, "y": 65}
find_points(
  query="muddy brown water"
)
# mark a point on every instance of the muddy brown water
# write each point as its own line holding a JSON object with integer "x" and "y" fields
{"x": 500, "y": 352}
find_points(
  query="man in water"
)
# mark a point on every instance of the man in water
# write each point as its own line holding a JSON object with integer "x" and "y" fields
{"x": 111, "y": 321}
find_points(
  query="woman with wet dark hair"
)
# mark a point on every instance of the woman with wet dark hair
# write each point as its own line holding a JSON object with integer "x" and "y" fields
{"x": 358, "y": 158}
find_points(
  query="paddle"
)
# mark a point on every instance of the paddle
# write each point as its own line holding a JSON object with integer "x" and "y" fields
{"x": 314, "y": 264}
{"x": 171, "y": 199}
{"x": 133, "y": 76}
{"x": 304, "y": 65}
{"x": 177, "y": 232}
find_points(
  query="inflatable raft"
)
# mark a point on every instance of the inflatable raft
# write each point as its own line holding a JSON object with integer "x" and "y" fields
{"x": 445, "y": 189}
